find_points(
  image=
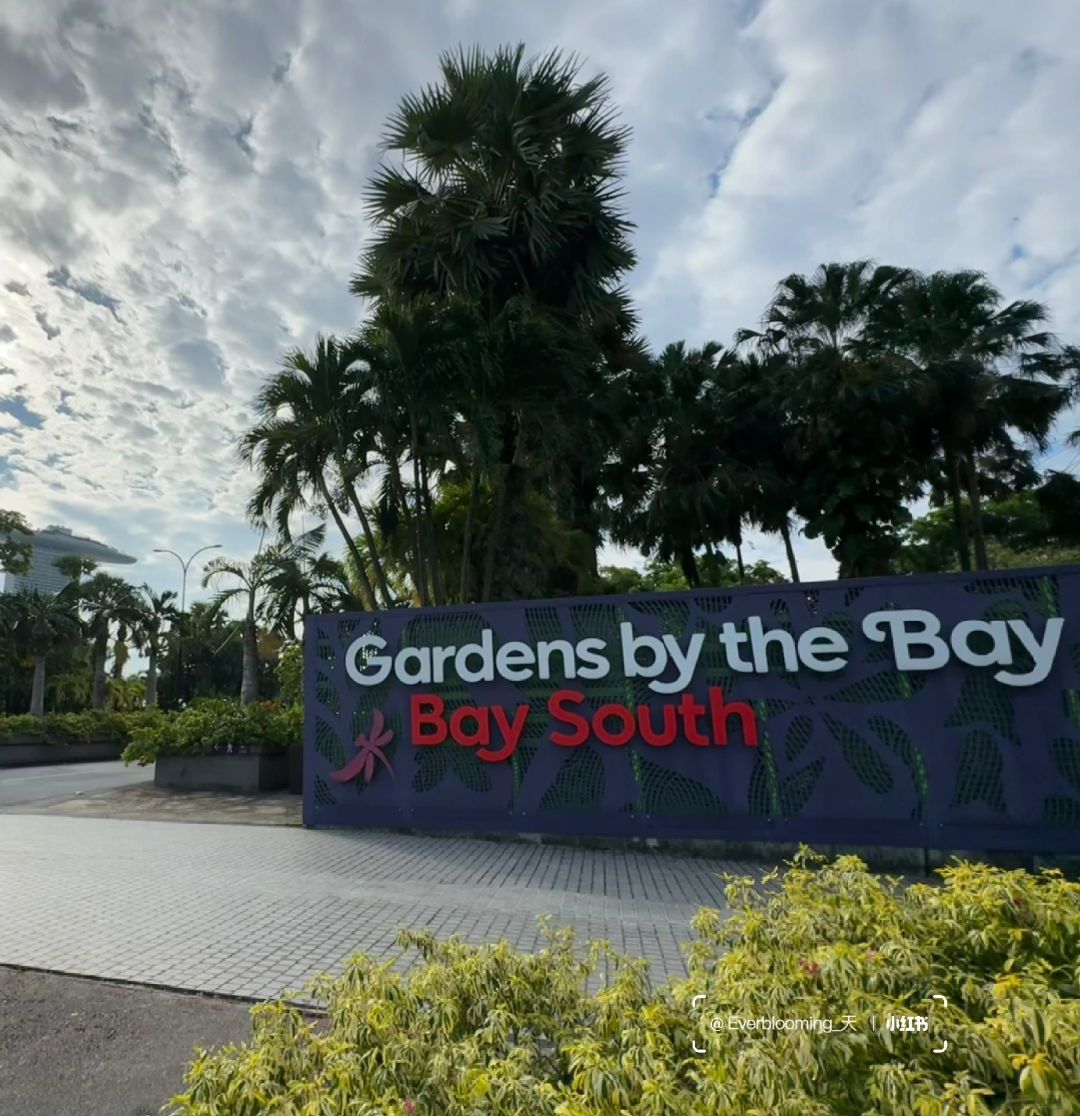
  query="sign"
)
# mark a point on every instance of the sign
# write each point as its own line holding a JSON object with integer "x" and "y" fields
{"x": 911, "y": 711}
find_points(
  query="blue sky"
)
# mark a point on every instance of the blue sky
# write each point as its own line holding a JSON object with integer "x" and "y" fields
{"x": 181, "y": 198}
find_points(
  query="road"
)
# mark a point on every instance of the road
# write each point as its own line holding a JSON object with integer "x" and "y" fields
{"x": 21, "y": 786}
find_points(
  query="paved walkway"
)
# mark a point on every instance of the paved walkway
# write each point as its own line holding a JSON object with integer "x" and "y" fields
{"x": 254, "y": 911}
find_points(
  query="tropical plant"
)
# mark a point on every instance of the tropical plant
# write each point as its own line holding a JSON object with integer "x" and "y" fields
{"x": 106, "y": 601}
{"x": 307, "y": 457}
{"x": 155, "y": 610}
{"x": 506, "y": 202}
{"x": 249, "y": 580}
{"x": 956, "y": 331}
{"x": 38, "y": 622}
{"x": 785, "y": 1012}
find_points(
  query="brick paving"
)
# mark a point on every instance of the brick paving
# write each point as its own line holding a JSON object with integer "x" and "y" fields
{"x": 255, "y": 911}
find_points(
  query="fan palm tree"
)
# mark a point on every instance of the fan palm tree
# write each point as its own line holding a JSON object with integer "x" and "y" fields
{"x": 40, "y": 621}
{"x": 956, "y": 331}
{"x": 155, "y": 611}
{"x": 507, "y": 199}
{"x": 306, "y": 453}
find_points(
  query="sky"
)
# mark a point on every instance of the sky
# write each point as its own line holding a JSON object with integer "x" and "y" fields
{"x": 181, "y": 200}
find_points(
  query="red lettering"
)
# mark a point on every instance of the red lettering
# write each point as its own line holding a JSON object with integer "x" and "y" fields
{"x": 511, "y": 731}
{"x": 649, "y": 735}
{"x": 556, "y": 704}
{"x": 427, "y": 709}
{"x": 721, "y": 713}
{"x": 691, "y": 711}
{"x": 482, "y": 733}
{"x": 623, "y": 735}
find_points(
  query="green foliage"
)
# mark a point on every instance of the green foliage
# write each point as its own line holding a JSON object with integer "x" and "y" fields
{"x": 487, "y": 1030}
{"x": 715, "y": 572}
{"x": 290, "y": 673}
{"x": 70, "y": 728}
{"x": 216, "y": 724}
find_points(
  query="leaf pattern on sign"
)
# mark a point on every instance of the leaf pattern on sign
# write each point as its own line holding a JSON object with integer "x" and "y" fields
{"x": 328, "y": 745}
{"x": 669, "y": 793}
{"x": 796, "y": 789}
{"x": 898, "y": 741}
{"x": 892, "y": 685}
{"x": 1059, "y": 810}
{"x": 326, "y": 693}
{"x": 980, "y": 772}
{"x": 1066, "y": 755}
{"x": 799, "y": 734}
{"x": 579, "y": 785}
{"x": 983, "y": 702}
{"x": 861, "y": 756}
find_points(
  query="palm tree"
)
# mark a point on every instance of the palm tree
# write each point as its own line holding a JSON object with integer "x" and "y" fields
{"x": 856, "y": 443}
{"x": 305, "y": 451}
{"x": 248, "y": 583}
{"x": 155, "y": 610}
{"x": 40, "y": 621}
{"x": 105, "y": 600}
{"x": 507, "y": 199}
{"x": 954, "y": 329}
{"x": 299, "y": 580}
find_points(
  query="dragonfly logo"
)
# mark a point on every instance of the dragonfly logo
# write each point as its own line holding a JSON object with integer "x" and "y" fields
{"x": 370, "y": 748}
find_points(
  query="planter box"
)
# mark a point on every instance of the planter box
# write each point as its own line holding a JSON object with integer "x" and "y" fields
{"x": 30, "y": 750}
{"x": 236, "y": 772}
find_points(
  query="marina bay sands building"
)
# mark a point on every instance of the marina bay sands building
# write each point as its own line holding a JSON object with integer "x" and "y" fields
{"x": 55, "y": 542}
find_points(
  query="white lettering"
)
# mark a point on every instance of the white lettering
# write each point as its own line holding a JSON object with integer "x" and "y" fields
{"x": 631, "y": 644}
{"x": 685, "y": 663}
{"x": 895, "y": 620}
{"x": 485, "y": 650}
{"x": 1043, "y": 653}
{"x": 816, "y": 642}
{"x": 590, "y": 651}
{"x": 515, "y": 661}
{"x": 383, "y": 664}
{"x": 759, "y": 646}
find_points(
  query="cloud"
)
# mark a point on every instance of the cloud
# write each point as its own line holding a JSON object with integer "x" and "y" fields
{"x": 181, "y": 197}
{"x": 7, "y": 333}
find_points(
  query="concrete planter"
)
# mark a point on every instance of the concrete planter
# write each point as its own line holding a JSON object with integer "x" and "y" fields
{"x": 30, "y": 750}
{"x": 245, "y": 772}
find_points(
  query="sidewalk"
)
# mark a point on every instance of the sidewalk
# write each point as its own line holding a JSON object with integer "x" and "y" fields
{"x": 147, "y": 802}
{"x": 254, "y": 911}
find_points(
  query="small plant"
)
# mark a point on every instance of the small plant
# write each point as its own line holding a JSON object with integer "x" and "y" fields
{"x": 214, "y": 725}
{"x": 489, "y": 1030}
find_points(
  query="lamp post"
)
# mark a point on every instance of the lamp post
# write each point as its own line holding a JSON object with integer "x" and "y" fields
{"x": 183, "y": 599}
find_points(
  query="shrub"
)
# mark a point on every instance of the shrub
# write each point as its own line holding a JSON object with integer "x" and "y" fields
{"x": 70, "y": 728}
{"x": 290, "y": 673}
{"x": 488, "y": 1030}
{"x": 214, "y": 725}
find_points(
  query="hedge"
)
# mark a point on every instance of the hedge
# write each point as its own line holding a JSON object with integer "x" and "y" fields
{"x": 73, "y": 728}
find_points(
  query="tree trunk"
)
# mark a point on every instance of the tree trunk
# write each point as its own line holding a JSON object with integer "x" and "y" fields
{"x": 739, "y": 557}
{"x": 688, "y": 565}
{"x": 974, "y": 501}
{"x": 418, "y": 517}
{"x": 963, "y": 547}
{"x": 470, "y": 519}
{"x": 361, "y": 568}
{"x": 37, "y": 689}
{"x": 369, "y": 538}
{"x": 249, "y": 680}
{"x": 438, "y": 592}
{"x": 494, "y": 531}
{"x": 785, "y": 533}
{"x": 101, "y": 684}
{"x": 151, "y": 677}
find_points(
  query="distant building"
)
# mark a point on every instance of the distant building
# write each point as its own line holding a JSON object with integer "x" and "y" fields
{"x": 56, "y": 542}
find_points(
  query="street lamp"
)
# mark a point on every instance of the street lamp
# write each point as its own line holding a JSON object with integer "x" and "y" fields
{"x": 183, "y": 601}
{"x": 184, "y": 566}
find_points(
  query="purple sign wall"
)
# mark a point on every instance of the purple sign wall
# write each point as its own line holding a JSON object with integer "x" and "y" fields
{"x": 939, "y": 711}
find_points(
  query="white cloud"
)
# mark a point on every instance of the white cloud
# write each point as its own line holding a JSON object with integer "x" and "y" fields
{"x": 193, "y": 174}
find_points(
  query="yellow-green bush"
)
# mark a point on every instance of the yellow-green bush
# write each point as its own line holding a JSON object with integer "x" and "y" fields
{"x": 489, "y": 1031}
